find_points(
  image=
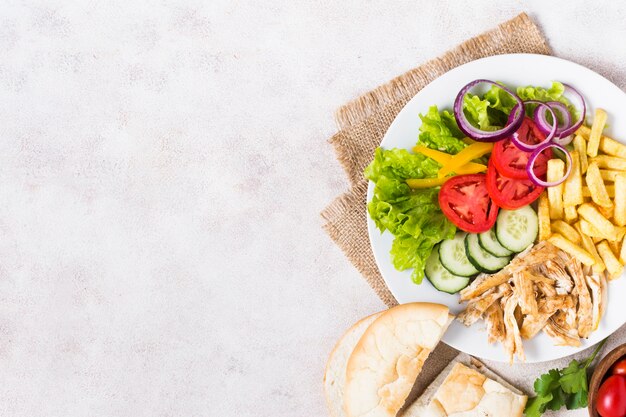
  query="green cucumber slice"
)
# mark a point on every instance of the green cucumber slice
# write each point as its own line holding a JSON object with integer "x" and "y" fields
{"x": 489, "y": 242}
{"x": 481, "y": 259}
{"x": 517, "y": 229}
{"x": 452, "y": 257}
{"x": 442, "y": 279}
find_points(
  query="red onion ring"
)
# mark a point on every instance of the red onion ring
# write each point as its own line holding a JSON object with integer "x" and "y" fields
{"x": 578, "y": 123}
{"x": 487, "y": 136}
{"x": 533, "y": 157}
{"x": 526, "y": 147}
{"x": 542, "y": 120}
{"x": 564, "y": 132}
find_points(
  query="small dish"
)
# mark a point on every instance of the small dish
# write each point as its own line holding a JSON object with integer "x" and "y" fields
{"x": 600, "y": 373}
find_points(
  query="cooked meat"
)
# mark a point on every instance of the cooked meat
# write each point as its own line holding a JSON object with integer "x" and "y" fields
{"x": 531, "y": 256}
{"x": 525, "y": 292}
{"x": 562, "y": 328}
{"x": 584, "y": 313}
{"x": 513, "y": 340}
{"x": 494, "y": 316}
{"x": 598, "y": 287}
{"x": 547, "y": 307}
{"x": 542, "y": 288}
{"x": 557, "y": 272}
{"x": 477, "y": 307}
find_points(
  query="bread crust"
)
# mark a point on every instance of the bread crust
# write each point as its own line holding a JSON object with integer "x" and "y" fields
{"x": 386, "y": 361}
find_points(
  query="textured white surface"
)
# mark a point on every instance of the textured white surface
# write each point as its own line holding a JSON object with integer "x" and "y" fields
{"x": 162, "y": 168}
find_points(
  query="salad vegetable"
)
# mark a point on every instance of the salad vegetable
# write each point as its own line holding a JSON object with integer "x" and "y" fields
{"x": 412, "y": 216}
{"x": 465, "y": 201}
{"x": 565, "y": 387}
{"x": 491, "y": 153}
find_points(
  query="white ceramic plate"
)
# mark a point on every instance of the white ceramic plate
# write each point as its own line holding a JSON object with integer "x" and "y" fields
{"x": 514, "y": 70}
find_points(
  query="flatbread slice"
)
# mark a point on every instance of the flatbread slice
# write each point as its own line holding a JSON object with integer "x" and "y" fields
{"x": 382, "y": 369}
{"x": 335, "y": 374}
{"x": 466, "y": 388}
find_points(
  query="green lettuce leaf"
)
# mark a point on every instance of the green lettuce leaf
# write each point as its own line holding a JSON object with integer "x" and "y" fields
{"x": 554, "y": 93}
{"x": 489, "y": 112}
{"x": 440, "y": 131}
{"x": 412, "y": 216}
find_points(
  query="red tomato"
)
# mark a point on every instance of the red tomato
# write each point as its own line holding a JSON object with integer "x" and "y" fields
{"x": 611, "y": 400}
{"x": 465, "y": 201}
{"x": 511, "y": 161}
{"x": 509, "y": 193}
{"x": 619, "y": 367}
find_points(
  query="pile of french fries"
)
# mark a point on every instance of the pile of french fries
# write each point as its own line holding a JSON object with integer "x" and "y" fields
{"x": 586, "y": 215}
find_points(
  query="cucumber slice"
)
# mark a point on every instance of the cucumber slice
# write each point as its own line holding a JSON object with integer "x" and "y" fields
{"x": 517, "y": 229}
{"x": 481, "y": 259}
{"x": 489, "y": 242}
{"x": 440, "y": 277}
{"x": 452, "y": 257}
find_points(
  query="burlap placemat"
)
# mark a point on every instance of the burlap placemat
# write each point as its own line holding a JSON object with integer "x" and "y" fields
{"x": 364, "y": 121}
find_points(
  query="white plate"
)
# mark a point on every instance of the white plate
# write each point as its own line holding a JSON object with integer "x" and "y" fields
{"x": 514, "y": 70}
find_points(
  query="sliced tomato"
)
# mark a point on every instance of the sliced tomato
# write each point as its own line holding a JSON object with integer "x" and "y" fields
{"x": 465, "y": 201}
{"x": 510, "y": 193}
{"x": 511, "y": 161}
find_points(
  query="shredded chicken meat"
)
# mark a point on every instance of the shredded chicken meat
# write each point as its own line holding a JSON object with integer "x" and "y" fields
{"x": 542, "y": 289}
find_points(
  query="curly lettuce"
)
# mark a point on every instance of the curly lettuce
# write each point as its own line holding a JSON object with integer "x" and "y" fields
{"x": 439, "y": 131}
{"x": 490, "y": 112}
{"x": 412, "y": 216}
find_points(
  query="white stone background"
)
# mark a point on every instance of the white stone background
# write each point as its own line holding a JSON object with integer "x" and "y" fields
{"x": 162, "y": 170}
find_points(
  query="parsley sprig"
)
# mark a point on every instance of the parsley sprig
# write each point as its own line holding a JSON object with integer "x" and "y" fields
{"x": 566, "y": 387}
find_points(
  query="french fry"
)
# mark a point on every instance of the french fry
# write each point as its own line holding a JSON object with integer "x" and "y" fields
{"x": 615, "y": 246}
{"x": 571, "y": 248}
{"x": 599, "y": 195}
{"x": 610, "y": 189}
{"x": 607, "y": 212}
{"x": 612, "y": 147}
{"x": 556, "y": 170}
{"x": 596, "y": 240}
{"x": 592, "y": 231}
{"x": 589, "y": 246}
{"x": 607, "y": 145}
{"x": 622, "y": 252}
{"x": 613, "y": 266}
{"x": 573, "y": 186}
{"x": 543, "y": 212}
{"x": 620, "y": 200}
{"x": 565, "y": 229}
{"x": 609, "y": 175}
{"x": 569, "y": 214}
{"x": 596, "y": 132}
{"x": 610, "y": 162}
{"x": 580, "y": 146}
{"x": 590, "y": 213}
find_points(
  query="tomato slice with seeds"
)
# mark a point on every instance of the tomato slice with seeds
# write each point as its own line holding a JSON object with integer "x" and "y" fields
{"x": 511, "y": 161}
{"x": 510, "y": 193}
{"x": 465, "y": 202}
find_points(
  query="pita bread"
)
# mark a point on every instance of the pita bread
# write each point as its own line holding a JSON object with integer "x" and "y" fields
{"x": 335, "y": 375}
{"x": 466, "y": 388}
{"x": 383, "y": 366}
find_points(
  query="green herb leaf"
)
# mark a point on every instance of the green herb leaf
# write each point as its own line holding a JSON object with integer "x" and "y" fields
{"x": 567, "y": 387}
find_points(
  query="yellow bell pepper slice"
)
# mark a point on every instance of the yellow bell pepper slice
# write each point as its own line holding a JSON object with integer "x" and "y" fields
{"x": 425, "y": 182}
{"x": 444, "y": 159}
{"x": 441, "y": 157}
{"x": 473, "y": 151}
{"x": 471, "y": 168}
